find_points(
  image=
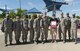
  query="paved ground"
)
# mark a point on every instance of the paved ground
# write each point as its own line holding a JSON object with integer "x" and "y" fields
{"x": 59, "y": 46}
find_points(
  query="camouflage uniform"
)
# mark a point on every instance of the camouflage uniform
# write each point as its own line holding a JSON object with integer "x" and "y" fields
{"x": 63, "y": 28}
{"x": 24, "y": 30}
{"x": 37, "y": 28}
{"x": 7, "y": 26}
{"x": 59, "y": 29}
{"x": 45, "y": 25}
{"x": 74, "y": 28}
{"x": 17, "y": 30}
{"x": 68, "y": 26}
{"x": 31, "y": 26}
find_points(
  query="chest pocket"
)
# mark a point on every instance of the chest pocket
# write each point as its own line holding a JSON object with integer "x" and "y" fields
{"x": 18, "y": 24}
{"x": 31, "y": 23}
{"x": 67, "y": 22}
{"x": 8, "y": 23}
{"x": 25, "y": 23}
{"x": 38, "y": 23}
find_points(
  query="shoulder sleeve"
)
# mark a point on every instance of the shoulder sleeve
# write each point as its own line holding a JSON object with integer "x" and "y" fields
{"x": 34, "y": 24}
{"x": 48, "y": 21}
{"x": 63, "y": 21}
{"x": 14, "y": 24}
{"x": 29, "y": 23}
{"x": 41, "y": 22}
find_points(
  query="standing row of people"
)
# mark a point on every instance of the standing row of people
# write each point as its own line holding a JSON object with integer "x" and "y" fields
{"x": 39, "y": 26}
{"x": 21, "y": 26}
{"x": 69, "y": 24}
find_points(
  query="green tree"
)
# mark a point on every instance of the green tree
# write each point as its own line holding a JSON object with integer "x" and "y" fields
{"x": 12, "y": 14}
{"x": 24, "y": 12}
{"x": 3, "y": 14}
{"x": 78, "y": 17}
{"x": 20, "y": 12}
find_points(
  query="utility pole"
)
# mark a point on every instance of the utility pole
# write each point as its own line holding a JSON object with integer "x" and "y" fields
{"x": 5, "y": 9}
{"x": 54, "y": 10}
{"x": 20, "y": 6}
{"x": 20, "y": 3}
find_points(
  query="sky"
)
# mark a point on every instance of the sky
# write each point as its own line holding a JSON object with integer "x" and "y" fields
{"x": 72, "y": 7}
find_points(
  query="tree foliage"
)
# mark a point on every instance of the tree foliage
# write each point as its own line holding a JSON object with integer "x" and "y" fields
{"x": 20, "y": 12}
{"x": 12, "y": 14}
{"x": 78, "y": 17}
{"x": 3, "y": 15}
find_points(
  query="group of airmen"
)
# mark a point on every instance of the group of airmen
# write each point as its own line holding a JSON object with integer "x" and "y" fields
{"x": 68, "y": 25}
{"x": 39, "y": 27}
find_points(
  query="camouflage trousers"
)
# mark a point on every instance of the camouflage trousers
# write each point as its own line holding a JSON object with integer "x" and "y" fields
{"x": 37, "y": 34}
{"x": 74, "y": 34}
{"x": 8, "y": 33}
{"x": 31, "y": 35}
{"x": 59, "y": 32}
{"x": 44, "y": 34}
{"x": 24, "y": 35}
{"x": 17, "y": 35}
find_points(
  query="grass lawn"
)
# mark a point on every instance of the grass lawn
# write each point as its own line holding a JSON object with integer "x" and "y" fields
{"x": 1, "y": 19}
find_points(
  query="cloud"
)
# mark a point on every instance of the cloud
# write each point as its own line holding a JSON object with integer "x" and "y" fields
{"x": 4, "y": 7}
{"x": 77, "y": 10}
{"x": 68, "y": 0}
{"x": 71, "y": 2}
{"x": 31, "y": 4}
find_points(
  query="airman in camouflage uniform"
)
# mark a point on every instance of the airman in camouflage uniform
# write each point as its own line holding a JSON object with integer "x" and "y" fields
{"x": 17, "y": 29}
{"x": 59, "y": 26}
{"x": 45, "y": 25}
{"x": 68, "y": 25}
{"x": 74, "y": 23}
{"x": 24, "y": 29}
{"x": 37, "y": 28}
{"x": 31, "y": 27}
{"x": 7, "y": 28}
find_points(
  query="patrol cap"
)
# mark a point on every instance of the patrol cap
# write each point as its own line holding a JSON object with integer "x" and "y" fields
{"x": 24, "y": 16}
{"x": 67, "y": 14}
{"x": 53, "y": 16}
{"x": 73, "y": 14}
{"x": 62, "y": 13}
{"x": 32, "y": 15}
{"x": 44, "y": 14}
{"x": 17, "y": 17}
{"x": 38, "y": 15}
{"x": 7, "y": 15}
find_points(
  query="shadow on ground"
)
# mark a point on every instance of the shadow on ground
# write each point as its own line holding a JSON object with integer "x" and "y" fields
{"x": 49, "y": 41}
